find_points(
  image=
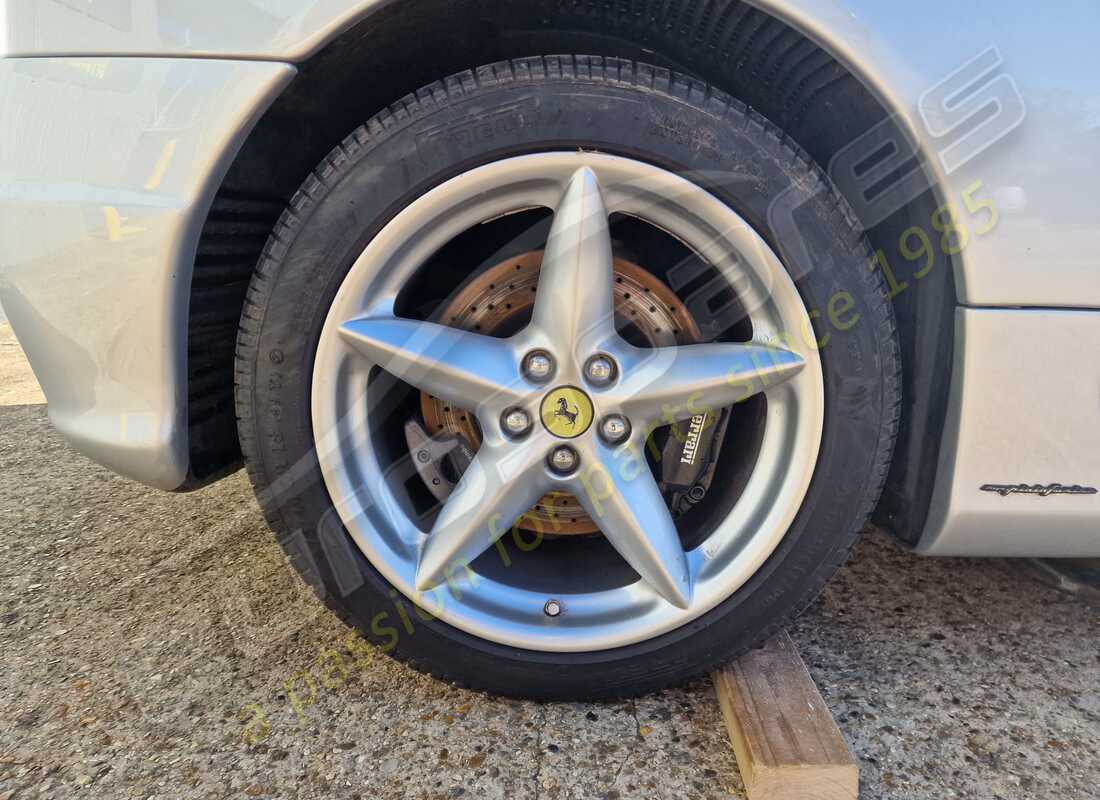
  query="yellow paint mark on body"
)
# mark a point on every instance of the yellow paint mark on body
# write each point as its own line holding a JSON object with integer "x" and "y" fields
{"x": 115, "y": 223}
{"x": 161, "y": 167}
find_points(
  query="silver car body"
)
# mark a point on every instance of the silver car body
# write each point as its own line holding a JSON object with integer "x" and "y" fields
{"x": 120, "y": 118}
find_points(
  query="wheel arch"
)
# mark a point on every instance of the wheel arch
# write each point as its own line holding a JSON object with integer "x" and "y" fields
{"x": 799, "y": 69}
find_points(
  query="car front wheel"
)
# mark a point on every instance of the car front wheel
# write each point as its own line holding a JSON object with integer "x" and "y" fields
{"x": 544, "y": 390}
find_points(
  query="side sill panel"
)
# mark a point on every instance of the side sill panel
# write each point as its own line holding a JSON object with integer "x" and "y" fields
{"x": 1025, "y": 411}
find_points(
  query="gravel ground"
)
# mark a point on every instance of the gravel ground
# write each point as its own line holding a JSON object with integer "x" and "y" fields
{"x": 158, "y": 646}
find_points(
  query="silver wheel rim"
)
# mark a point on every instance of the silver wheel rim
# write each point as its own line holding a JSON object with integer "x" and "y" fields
{"x": 572, "y": 322}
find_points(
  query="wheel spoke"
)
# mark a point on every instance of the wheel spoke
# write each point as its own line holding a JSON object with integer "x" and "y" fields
{"x": 499, "y": 485}
{"x": 665, "y": 385}
{"x": 574, "y": 302}
{"x": 460, "y": 367}
{"x": 634, "y": 517}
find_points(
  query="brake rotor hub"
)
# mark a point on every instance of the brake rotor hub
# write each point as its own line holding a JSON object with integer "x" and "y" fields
{"x": 499, "y": 302}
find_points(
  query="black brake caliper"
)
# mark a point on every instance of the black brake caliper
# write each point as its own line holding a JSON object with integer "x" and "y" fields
{"x": 690, "y": 457}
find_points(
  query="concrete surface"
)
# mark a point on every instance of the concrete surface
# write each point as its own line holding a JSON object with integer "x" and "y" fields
{"x": 158, "y": 646}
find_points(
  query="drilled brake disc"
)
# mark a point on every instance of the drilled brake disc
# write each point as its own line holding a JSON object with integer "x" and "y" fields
{"x": 499, "y": 302}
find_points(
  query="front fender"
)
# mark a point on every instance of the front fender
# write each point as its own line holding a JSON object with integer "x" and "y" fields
{"x": 108, "y": 168}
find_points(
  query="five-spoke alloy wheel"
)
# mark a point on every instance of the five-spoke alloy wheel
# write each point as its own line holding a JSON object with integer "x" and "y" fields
{"x": 588, "y": 380}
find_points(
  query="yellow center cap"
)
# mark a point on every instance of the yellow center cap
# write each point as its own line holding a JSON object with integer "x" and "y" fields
{"x": 566, "y": 412}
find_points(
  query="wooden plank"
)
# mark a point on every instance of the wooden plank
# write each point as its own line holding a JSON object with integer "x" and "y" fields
{"x": 788, "y": 746}
{"x": 18, "y": 386}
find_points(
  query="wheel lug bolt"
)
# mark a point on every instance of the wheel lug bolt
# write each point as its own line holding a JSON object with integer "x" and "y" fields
{"x": 516, "y": 422}
{"x": 563, "y": 460}
{"x": 538, "y": 366}
{"x": 600, "y": 370}
{"x": 552, "y": 608}
{"x": 614, "y": 428}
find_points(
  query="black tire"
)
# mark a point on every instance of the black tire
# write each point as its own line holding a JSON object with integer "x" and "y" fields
{"x": 525, "y": 106}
